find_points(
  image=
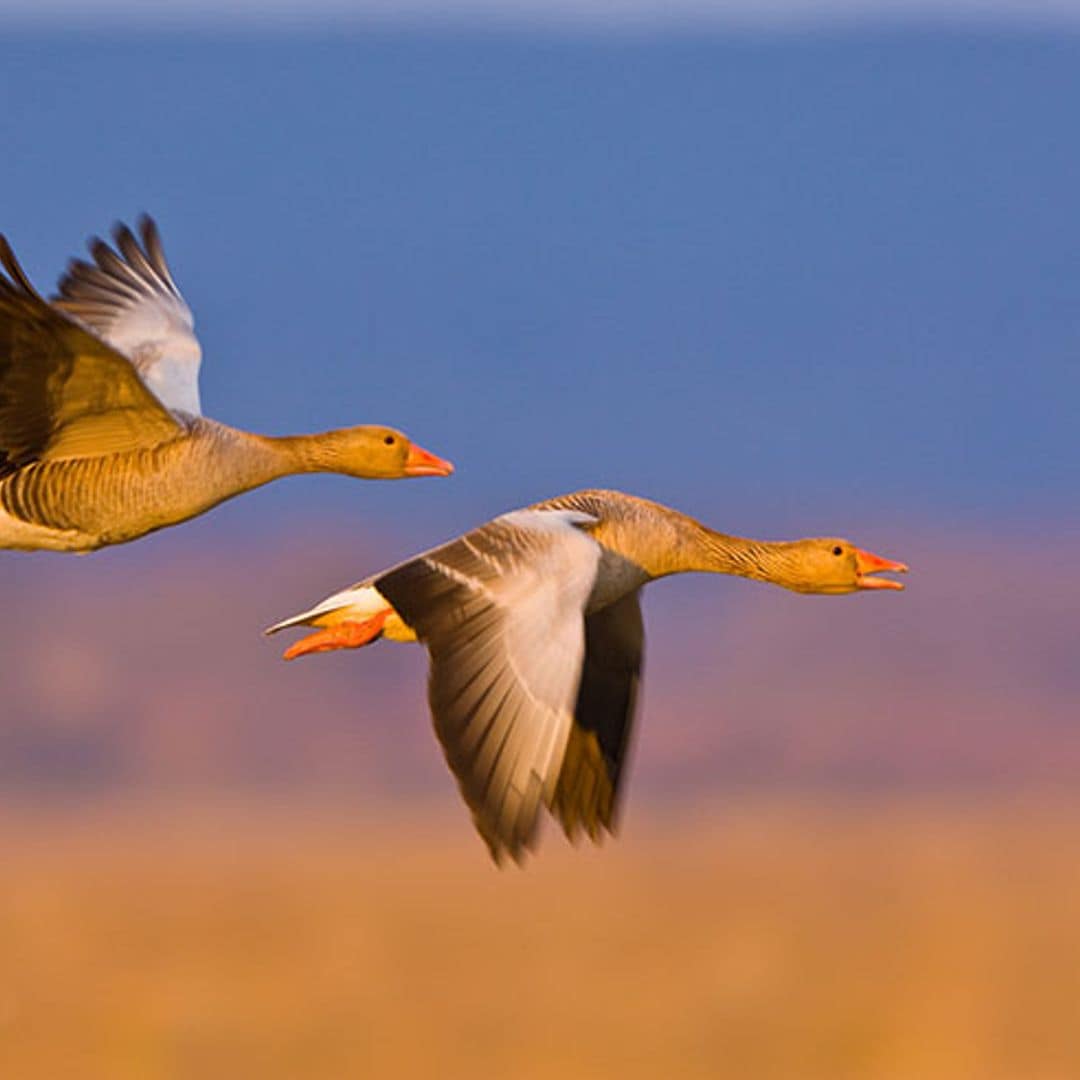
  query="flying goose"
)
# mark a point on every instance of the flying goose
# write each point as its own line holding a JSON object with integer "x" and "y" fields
{"x": 535, "y": 636}
{"x": 102, "y": 439}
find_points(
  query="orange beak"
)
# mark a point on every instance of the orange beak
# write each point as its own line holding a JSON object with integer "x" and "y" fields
{"x": 867, "y": 564}
{"x": 422, "y": 462}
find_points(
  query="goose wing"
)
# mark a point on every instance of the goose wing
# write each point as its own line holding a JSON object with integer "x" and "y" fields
{"x": 588, "y": 789}
{"x": 501, "y": 612}
{"x": 63, "y": 392}
{"x": 128, "y": 297}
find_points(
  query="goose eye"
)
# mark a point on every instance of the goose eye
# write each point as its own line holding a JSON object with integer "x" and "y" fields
{"x": 838, "y": 550}
{"x": 389, "y": 440}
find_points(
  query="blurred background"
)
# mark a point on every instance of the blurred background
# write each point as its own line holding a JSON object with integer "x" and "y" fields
{"x": 795, "y": 268}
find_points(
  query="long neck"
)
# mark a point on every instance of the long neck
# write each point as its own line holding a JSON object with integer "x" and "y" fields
{"x": 714, "y": 552}
{"x": 231, "y": 461}
{"x": 285, "y": 455}
{"x": 663, "y": 541}
{"x": 688, "y": 546}
{"x": 227, "y": 461}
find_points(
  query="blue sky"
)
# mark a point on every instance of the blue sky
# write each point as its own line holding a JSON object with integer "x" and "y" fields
{"x": 604, "y": 14}
{"x": 792, "y": 282}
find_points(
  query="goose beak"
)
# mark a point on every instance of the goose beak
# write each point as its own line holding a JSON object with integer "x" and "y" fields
{"x": 867, "y": 564}
{"x": 422, "y": 462}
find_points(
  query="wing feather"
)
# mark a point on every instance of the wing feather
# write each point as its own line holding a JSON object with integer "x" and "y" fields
{"x": 588, "y": 789}
{"x": 501, "y": 611}
{"x": 129, "y": 299}
{"x": 63, "y": 392}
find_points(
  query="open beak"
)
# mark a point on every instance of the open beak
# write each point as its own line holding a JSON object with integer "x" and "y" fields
{"x": 421, "y": 462}
{"x": 867, "y": 564}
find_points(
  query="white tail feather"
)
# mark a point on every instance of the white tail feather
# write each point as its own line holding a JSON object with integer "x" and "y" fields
{"x": 360, "y": 602}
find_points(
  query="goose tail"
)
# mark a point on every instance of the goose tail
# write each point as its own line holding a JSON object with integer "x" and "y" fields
{"x": 354, "y": 604}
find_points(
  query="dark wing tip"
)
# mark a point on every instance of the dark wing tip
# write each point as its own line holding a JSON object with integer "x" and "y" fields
{"x": 504, "y": 851}
{"x": 123, "y": 237}
{"x": 7, "y": 257}
{"x": 99, "y": 249}
{"x": 108, "y": 279}
{"x": 155, "y": 249}
{"x": 119, "y": 274}
{"x": 148, "y": 230}
{"x": 76, "y": 267}
{"x": 17, "y": 279}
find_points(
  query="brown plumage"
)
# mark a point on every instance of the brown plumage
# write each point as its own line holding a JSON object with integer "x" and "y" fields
{"x": 534, "y": 629}
{"x": 101, "y": 437}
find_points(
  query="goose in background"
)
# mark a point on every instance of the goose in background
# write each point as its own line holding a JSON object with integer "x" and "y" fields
{"x": 534, "y": 630}
{"x": 102, "y": 438}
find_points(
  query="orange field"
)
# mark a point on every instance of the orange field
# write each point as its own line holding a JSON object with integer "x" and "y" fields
{"x": 787, "y": 939}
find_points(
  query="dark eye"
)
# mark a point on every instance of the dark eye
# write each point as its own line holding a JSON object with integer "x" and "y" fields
{"x": 838, "y": 550}
{"x": 389, "y": 440}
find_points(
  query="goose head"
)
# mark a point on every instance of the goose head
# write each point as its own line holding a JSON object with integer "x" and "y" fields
{"x": 833, "y": 567}
{"x": 372, "y": 452}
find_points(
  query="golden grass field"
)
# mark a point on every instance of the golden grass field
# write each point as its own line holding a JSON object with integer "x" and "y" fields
{"x": 760, "y": 939}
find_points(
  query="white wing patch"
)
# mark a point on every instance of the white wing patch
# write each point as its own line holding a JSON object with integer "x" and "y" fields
{"x": 501, "y": 611}
{"x": 158, "y": 336}
{"x": 128, "y": 298}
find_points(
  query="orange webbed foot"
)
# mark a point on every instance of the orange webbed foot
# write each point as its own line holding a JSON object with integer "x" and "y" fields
{"x": 344, "y": 635}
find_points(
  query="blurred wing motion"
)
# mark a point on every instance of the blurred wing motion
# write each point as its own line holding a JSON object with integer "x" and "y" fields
{"x": 63, "y": 392}
{"x": 129, "y": 299}
{"x": 501, "y": 611}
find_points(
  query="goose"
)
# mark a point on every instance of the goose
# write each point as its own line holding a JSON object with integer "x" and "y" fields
{"x": 533, "y": 627}
{"x": 102, "y": 438}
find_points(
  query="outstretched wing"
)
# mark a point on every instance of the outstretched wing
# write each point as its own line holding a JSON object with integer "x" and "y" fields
{"x": 501, "y": 611}
{"x": 587, "y": 794}
{"x": 129, "y": 299}
{"x": 64, "y": 393}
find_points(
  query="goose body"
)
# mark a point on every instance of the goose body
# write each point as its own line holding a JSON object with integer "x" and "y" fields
{"x": 534, "y": 629}
{"x": 101, "y": 434}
